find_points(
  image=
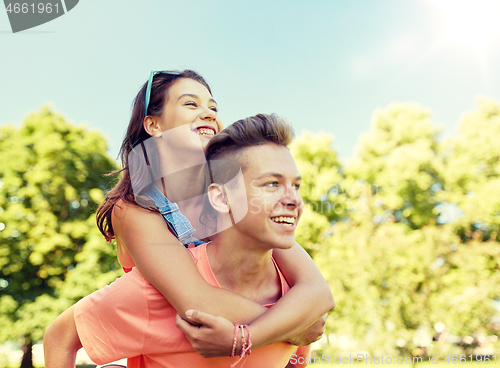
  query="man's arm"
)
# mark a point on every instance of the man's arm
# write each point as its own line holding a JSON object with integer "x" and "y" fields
{"x": 61, "y": 341}
{"x": 307, "y": 301}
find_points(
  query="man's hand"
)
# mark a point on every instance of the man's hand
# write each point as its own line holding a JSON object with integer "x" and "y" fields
{"x": 213, "y": 337}
{"x": 312, "y": 334}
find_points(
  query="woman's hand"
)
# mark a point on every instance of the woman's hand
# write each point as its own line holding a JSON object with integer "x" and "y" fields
{"x": 210, "y": 336}
{"x": 312, "y": 334}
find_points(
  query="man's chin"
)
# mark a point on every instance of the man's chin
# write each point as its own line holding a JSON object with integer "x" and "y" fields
{"x": 284, "y": 244}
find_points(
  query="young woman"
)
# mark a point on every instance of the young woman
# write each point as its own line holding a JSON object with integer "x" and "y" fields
{"x": 146, "y": 241}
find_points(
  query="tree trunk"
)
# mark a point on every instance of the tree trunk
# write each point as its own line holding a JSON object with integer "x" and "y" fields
{"x": 27, "y": 361}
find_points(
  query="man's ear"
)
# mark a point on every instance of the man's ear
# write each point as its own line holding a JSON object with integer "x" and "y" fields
{"x": 218, "y": 198}
{"x": 151, "y": 125}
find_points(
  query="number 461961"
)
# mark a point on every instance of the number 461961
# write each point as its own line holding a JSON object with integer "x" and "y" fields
{"x": 463, "y": 358}
{"x": 27, "y": 8}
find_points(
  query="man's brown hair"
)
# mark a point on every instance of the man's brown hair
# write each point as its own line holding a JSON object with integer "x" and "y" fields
{"x": 249, "y": 132}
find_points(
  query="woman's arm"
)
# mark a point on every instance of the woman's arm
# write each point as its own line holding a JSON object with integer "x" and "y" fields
{"x": 168, "y": 266}
{"x": 286, "y": 318}
{"x": 307, "y": 301}
{"x": 164, "y": 262}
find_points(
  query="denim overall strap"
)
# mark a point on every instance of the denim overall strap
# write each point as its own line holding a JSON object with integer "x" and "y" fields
{"x": 176, "y": 221}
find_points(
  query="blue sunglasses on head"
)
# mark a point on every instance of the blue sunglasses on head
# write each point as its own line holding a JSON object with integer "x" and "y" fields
{"x": 148, "y": 88}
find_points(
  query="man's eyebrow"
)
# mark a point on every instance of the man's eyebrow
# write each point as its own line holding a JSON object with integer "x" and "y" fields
{"x": 195, "y": 96}
{"x": 277, "y": 175}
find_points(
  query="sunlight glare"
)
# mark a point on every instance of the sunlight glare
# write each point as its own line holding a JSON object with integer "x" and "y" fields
{"x": 473, "y": 21}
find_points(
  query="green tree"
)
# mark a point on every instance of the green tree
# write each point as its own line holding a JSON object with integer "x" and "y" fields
{"x": 472, "y": 171}
{"x": 396, "y": 266}
{"x": 393, "y": 284}
{"x": 324, "y": 200}
{"x": 51, "y": 181}
{"x": 400, "y": 158}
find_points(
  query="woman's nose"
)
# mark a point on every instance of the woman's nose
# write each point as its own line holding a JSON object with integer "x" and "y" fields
{"x": 209, "y": 114}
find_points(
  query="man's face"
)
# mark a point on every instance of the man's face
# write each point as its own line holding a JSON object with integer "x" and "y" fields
{"x": 272, "y": 182}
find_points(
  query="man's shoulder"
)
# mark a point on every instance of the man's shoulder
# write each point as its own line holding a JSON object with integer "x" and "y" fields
{"x": 198, "y": 252}
{"x": 200, "y": 258}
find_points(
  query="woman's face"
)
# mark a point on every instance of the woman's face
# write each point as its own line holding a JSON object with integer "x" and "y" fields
{"x": 190, "y": 102}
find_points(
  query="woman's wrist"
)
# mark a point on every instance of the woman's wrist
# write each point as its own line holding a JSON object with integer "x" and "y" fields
{"x": 242, "y": 334}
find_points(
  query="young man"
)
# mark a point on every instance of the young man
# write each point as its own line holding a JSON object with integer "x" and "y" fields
{"x": 239, "y": 259}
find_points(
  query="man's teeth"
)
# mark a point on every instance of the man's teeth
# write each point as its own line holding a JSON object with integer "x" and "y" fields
{"x": 205, "y": 131}
{"x": 284, "y": 220}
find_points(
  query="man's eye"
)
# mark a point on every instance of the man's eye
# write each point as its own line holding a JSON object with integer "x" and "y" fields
{"x": 272, "y": 184}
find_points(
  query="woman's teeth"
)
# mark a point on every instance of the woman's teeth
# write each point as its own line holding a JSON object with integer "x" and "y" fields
{"x": 206, "y": 132}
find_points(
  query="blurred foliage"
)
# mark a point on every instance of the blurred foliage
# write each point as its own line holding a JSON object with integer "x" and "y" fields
{"x": 472, "y": 171}
{"x": 415, "y": 249}
{"x": 399, "y": 157}
{"x": 51, "y": 253}
{"x": 407, "y": 234}
{"x": 320, "y": 169}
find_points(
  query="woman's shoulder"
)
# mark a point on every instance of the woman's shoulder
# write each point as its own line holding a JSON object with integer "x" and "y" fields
{"x": 134, "y": 225}
{"x": 127, "y": 216}
{"x": 126, "y": 213}
{"x": 123, "y": 209}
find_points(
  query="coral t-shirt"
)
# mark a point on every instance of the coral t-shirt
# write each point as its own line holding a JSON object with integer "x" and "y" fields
{"x": 131, "y": 319}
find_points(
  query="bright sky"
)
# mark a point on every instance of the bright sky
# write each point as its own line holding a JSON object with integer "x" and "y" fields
{"x": 324, "y": 64}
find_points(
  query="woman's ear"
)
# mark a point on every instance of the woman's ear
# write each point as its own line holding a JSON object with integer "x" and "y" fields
{"x": 151, "y": 126}
{"x": 217, "y": 198}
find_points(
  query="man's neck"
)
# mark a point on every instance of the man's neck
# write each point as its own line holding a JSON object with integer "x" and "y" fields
{"x": 243, "y": 268}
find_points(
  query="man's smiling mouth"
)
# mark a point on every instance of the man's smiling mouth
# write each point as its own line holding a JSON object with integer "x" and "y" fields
{"x": 284, "y": 220}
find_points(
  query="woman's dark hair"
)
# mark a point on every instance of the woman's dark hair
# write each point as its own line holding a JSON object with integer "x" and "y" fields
{"x": 135, "y": 135}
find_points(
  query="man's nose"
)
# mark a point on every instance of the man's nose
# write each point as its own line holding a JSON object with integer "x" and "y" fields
{"x": 291, "y": 197}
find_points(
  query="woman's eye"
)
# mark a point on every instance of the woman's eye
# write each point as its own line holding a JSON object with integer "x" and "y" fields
{"x": 215, "y": 109}
{"x": 272, "y": 184}
{"x": 296, "y": 186}
{"x": 191, "y": 104}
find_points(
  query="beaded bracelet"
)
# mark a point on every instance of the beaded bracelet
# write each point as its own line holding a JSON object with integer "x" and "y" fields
{"x": 249, "y": 347}
{"x": 245, "y": 346}
{"x": 234, "y": 340}
{"x": 243, "y": 342}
